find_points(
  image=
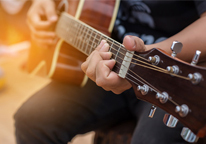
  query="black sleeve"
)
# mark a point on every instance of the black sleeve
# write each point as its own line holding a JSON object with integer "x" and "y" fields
{"x": 201, "y": 6}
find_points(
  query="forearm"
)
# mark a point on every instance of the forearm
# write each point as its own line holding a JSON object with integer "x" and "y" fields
{"x": 192, "y": 37}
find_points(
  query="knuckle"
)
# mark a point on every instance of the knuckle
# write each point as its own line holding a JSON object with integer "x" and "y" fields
{"x": 89, "y": 72}
{"x": 100, "y": 82}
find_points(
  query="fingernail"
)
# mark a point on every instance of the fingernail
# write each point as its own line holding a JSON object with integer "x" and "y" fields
{"x": 132, "y": 41}
{"x": 102, "y": 43}
{"x": 114, "y": 60}
{"x": 106, "y": 45}
{"x": 110, "y": 54}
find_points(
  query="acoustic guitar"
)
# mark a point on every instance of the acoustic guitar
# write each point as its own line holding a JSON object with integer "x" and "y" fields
{"x": 63, "y": 61}
{"x": 158, "y": 78}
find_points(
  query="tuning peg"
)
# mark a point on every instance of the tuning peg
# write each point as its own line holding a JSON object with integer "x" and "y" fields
{"x": 195, "y": 78}
{"x": 196, "y": 57}
{"x": 176, "y": 48}
{"x": 183, "y": 110}
{"x": 152, "y": 111}
{"x": 143, "y": 89}
{"x": 170, "y": 120}
{"x": 163, "y": 97}
{"x": 173, "y": 69}
{"x": 154, "y": 59}
{"x": 188, "y": 135}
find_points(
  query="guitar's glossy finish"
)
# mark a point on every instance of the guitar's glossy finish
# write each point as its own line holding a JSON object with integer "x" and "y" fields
{"x": 168, "y": 90}
{"x": 181, "y": 91}
{"x": 66, "y": 67}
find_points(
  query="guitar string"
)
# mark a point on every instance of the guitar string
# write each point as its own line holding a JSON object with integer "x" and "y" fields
{"x": 111, "y": 40}
{"x": 134, "y": 54}
{"x": 142, "y": 81}
{"x": 145, "y": 82}
{"x": 130, "y": 70}
{"x": 138, "y": 76}
{"x": 157, "y": 68}
{"x": 151, "y": 86}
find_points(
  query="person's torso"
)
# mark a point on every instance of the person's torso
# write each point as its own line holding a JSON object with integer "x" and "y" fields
{"x": 153, "y": 21}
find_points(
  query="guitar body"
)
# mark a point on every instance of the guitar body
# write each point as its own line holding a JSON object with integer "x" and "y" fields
{"x": 63, "y": 62}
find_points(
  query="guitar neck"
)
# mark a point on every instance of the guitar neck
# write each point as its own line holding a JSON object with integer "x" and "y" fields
{"x": 163, "y": 88}
{"x": 85, "y": 39}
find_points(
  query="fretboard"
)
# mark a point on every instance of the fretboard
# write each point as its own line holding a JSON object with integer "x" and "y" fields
{"x": 85, "y": 38}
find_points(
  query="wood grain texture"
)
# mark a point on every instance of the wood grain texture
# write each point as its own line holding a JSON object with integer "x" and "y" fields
{"x": 180, "y": 90}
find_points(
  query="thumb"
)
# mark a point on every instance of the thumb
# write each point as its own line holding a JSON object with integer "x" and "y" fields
{"x": 134, "y": 43}
{"x": 50, "y": 12}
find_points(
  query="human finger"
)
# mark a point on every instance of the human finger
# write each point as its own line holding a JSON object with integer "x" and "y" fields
{"x": 108, "y": 79}
{"x": 105, "y": 55}
{"x": 50, "y": 12}
{"x": 133, "y": 43}
{"x": 84, "y": 65}
{"x": 34, "y": 20}
{"x": 89, "y": 67}
{"x": 100, "y": 45}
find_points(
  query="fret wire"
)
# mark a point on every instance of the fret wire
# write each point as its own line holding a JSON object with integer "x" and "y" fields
{"x": 85, "y": 42}
{"x": 97, "y": 40}
{"x": 77, "y": 36}
{"x": 77, "y": 33}
{"x": 117, "y": 53}
{"x": 93, "y": 42}
{"x": 88, "y": 40}
{"x": 111, "y": 40}
{"x": 80, "y": 37}
{"x": 100, "y": 39}
{"x": 165, "y": 72}
{"x": 69, "y": 34}
{"x": 111, "y": 45}
{"x": 83, "y": 39}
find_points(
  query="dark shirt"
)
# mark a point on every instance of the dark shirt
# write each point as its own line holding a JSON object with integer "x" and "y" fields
{"x": 154, "y": 21}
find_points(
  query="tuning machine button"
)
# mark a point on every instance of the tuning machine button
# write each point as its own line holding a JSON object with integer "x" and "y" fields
{"x": 143, "y": 89}
{"x": 173, "y": 69}
{"x": 170, "y": 120}
{"x": 183, "y": 110}
{"x": 176, "y": 48}
{"x": 152, "y": 111}
{"x": 163, "y": 97}
{"x": 188, "y": 135}
{"x": 195, "y": 78}
{"x": 196, "y": 57}
{"x": 154, "y": 60}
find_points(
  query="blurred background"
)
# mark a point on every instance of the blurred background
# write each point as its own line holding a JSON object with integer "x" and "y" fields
{"x": 16, "y": 85}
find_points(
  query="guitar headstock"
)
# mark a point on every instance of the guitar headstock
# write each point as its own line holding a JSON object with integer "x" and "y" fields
{"x": 173, "y": 85}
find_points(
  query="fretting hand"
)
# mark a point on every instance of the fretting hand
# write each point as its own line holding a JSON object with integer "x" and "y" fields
{"x": 98, "y": 65}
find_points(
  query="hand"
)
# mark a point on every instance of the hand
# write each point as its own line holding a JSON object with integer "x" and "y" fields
{"x": 98, "y": 65}
{"x": 41, "y": 28}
